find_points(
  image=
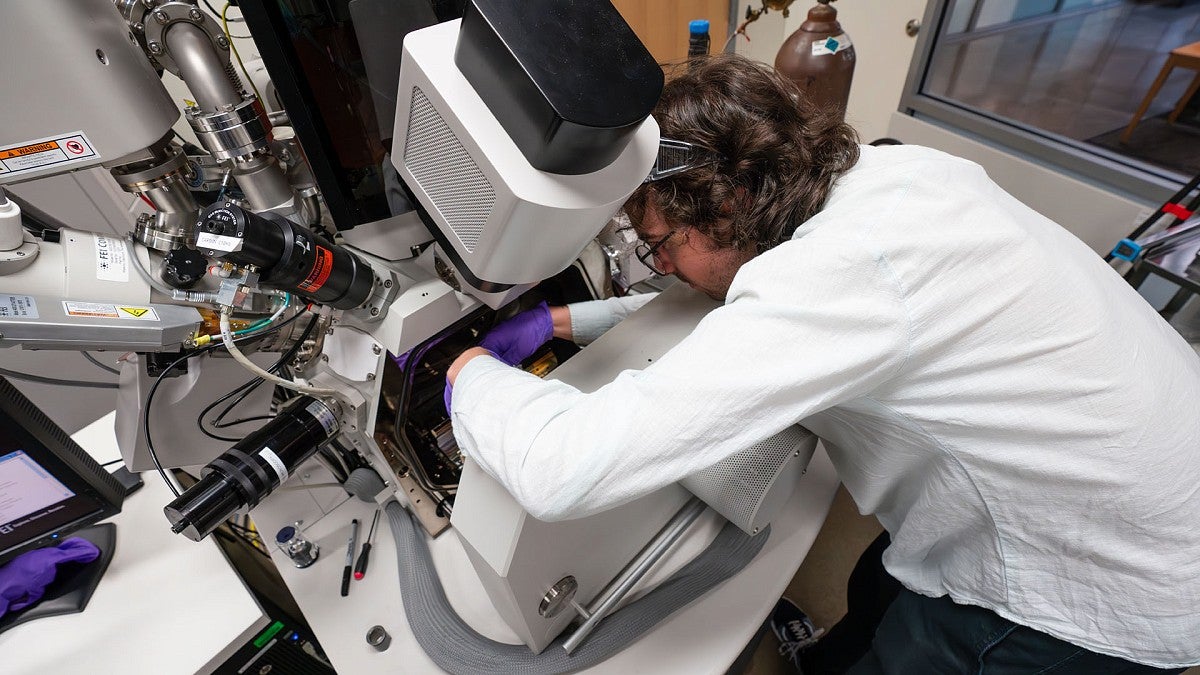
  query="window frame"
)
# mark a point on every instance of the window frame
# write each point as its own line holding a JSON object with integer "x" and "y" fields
{"x": 1127, "y": 176}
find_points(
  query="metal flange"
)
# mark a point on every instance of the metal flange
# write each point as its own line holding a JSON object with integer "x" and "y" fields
{"x": 156, "y": 22}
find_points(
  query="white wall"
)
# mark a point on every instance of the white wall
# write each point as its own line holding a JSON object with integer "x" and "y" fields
{"x": 885, "y": 53}
{"x": 882, "y": 48}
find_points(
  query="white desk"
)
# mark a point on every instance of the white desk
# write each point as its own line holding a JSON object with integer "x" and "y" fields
{"x": 165, "y": 604}
{"x": 705, "y": 637}
{"x": 169, "y": 605}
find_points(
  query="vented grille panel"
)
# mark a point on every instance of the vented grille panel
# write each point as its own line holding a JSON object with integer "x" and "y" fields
{"x": 444, "y": 170}
{"x": 735, "y": 487}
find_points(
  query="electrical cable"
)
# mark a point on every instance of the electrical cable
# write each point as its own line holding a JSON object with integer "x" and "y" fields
{"x": 18, "y": 375}
{"x": 233, "y": 47}
{"x": 111, "y": 462}
{"x": 162, "y": 374}
{"x": 96, "y": 362}
{"x": 228, "y": 340}
{"x": 248, "y": 387}
{"x": 137, "y": 265}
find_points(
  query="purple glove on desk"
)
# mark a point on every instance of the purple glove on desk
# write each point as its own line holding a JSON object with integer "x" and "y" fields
{"x": 24, "y": 579}
{"x": 518, "y": 338}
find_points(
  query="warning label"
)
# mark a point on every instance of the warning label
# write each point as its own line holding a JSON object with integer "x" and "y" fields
{"x": 137, "y": 312}
{"x": 112, "y": 259}
{"x": 322, "y": 266}
{"x": 18, "y": 307}
{"x": 55, "y": 151}
{"x": 99, "y": 310}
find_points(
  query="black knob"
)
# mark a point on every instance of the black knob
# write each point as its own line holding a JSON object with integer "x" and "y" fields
{"x": 183, "y": 268}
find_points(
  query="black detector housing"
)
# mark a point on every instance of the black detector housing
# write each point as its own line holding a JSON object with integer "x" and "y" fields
{"x": 289, "y": 257}
{"x": 568, "y": 79}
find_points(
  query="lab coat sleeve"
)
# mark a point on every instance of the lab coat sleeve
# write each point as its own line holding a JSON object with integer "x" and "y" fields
{"x": 590, "y": 320}
{"x": 803, "y": 329}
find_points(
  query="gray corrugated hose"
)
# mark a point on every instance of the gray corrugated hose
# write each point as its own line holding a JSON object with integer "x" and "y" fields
{"x": 457, "y": 648}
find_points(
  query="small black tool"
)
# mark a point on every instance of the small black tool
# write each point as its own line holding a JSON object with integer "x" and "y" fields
{"x": 349, "y": 557}
{"x": 360, "y": 568}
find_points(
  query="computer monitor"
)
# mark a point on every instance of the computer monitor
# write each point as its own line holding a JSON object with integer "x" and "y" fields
{"x": 50, "y": 488}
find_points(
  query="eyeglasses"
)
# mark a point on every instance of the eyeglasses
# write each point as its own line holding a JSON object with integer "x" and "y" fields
{"x": 648, "y": 252}
{"x": 675, "y": 157}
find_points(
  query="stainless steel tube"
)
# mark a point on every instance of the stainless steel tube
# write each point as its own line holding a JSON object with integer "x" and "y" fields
{"x": 637, "y": 568}
{"x": 200, "y": 67}
{"x": 264, "y": 184}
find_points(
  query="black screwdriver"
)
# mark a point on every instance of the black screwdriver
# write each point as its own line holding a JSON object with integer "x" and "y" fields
{"x": 360, "y": 568}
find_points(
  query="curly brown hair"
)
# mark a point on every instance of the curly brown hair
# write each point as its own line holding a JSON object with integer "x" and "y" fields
{"x": 777, "y": 155}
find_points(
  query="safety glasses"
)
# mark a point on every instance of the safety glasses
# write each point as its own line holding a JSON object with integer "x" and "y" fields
{"x": 648, "y": 252}
{"x": 675, "y": 157}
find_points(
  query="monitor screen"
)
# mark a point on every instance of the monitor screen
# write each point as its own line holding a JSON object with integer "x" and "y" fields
{"x": 49, "y": 486}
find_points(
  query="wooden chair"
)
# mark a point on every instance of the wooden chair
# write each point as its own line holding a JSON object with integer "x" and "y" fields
{"x": 1187, "y": 56}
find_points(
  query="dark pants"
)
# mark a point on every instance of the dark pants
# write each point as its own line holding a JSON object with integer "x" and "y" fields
{"x": 889, "y": 629}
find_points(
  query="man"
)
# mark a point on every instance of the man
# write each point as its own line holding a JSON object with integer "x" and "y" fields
{"x": 1022, "y": 423}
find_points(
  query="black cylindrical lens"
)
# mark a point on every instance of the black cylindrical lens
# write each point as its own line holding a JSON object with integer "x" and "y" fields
{"x": 252, "y": 468}
{"x": 289, "y": 257}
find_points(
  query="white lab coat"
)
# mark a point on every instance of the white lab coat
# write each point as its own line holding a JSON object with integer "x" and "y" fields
{"x": 1020, "y": 420}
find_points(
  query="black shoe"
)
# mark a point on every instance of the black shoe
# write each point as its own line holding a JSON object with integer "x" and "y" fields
{"x": 794, "y": 630}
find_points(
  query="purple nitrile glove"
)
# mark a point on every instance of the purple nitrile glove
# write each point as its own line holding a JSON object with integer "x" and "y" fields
{"x": 23, "y": 580}
{"x": 518, "y": 338}
{"x": 447, "y": 395}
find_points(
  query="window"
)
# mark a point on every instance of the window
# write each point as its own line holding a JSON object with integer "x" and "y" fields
{"x": 1062, "y": 80}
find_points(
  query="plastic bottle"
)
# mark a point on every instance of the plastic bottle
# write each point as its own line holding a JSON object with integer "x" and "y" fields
{"x": 698, "y": 38}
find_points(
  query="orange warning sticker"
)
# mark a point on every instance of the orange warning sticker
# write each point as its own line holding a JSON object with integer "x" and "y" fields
{"x": 322, "y": 266}
{"x": 27, "y": 150}
{"x": 38, "y": 156}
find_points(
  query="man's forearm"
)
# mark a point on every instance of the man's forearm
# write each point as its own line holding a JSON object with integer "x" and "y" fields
{"x": 561, "y": 317}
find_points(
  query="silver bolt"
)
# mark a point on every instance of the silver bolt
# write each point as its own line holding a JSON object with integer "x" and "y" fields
{"x": 912, "y": 27}
{"x": 196, "y": 15}
{"x": 161, "y": 17}
{"x": 374, "y": 311}
{"x": 370, "y": 377}
{"x": 222, "y": 42}
{"x": 139, "y": 27}
{"x": 155, "y": 48}
{"x": 387, "y": 283}
{"x": 325, "y": 358}
{"x": 149, "y": 3}
{"x": 375, "y": 349}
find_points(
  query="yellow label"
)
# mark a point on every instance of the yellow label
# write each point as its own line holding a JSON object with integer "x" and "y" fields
{"x": 138, "y": 312}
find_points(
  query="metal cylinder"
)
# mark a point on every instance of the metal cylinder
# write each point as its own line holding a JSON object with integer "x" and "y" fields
{"x": 239, "y": 132}
{"x": 604, "y": 604}
{"x": 252, "y": 468}
{"x": 200, "y": 67}
{"x": 163, "y": 180}
{"x": 288, "y": 256}
{"x": 264, "y": 184}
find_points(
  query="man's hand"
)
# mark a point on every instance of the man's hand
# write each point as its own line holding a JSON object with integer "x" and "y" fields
{"x": 514, "y": 340}
{"x": 518, "y": 338}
